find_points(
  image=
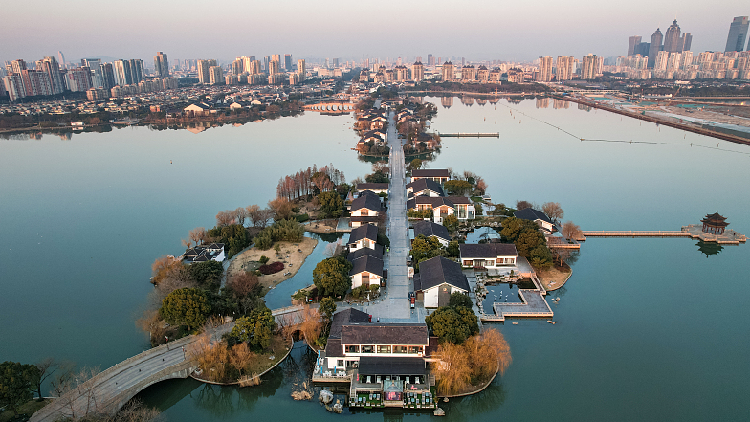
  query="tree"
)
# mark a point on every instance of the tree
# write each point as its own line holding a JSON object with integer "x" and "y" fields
{"x": 239, "y": 215}
{"x": 478, "y": 208}
{"x": 553, "y": 210}
{"x": 424, "y": 248}
{"x": 527, "y": 241}
{"x": 207, "y": 274}
{"x": 331, "y": 276}
{"x": 457, "y": 187}
{"x": 480, "y": 185}
{"x": 571, "y": 230}
{"x": 451, "y": 223}
{"x": 415, "y": 164}
{"x": 331, "y": 204}
{"x": 244, "y": 284}
{"x": 197, "y": 235}
{"x": 163, "y": 267}
{"x": 512, "y": 227}
{"x": 452, "y": 324}
{"x": 46, "y": 368}
{"x": 453, "y": 248}
{"x": 186, "y": 307}
{"x": 377, "y": 177}
{"x": 327, "y": 308}
{"x": 522, "y": 205}
{"x": 257, "y": 329}
{"x": 16, "y": 384}
{"x": 460, "y": 299}
{"x": 75, "y": 393}
{"x": 225, "y": 218}
{"x": 281, "y": 207}
{"x": 241, "y": 356}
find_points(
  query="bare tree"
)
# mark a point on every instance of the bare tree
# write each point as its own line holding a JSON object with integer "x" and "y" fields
{"x": 281, "y": 207}
{"x": 522, "y": 205}
{"x": 243, "y": 284}
{"x": 225, "y": 218}
{"x": 77, "y": 392}
{"x": 197, "y": 235}
{"x": 252, "y": 214}
{"x": 553, "y": 210}
{"x": 265, "y": 215}
{"x": 562, "y": 254}
{"x": 241, "y": 356}
{"x": 571, "y": 231}
{"x": 240, "y": 214}
{"x": 162, "y": 267}
{"x": 46, "y": 368}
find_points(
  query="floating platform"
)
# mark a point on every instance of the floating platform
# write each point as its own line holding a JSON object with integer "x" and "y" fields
{"x": 533, "y": 305}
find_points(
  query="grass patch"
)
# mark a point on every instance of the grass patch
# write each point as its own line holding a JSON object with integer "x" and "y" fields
{"x": 25, "y": 412}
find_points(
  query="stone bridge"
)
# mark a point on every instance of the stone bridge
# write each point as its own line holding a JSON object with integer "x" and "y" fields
{"x": 332, "y": 107}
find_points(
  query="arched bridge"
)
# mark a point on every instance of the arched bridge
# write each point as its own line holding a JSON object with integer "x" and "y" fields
{"x": 110, "y": 389}
{"x": 332, "y": 107}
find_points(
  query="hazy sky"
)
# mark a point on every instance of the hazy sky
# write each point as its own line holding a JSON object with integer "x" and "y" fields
{"x": 475, "y": 29}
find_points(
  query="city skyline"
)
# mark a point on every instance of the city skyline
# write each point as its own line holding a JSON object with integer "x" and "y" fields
{"x": 326, "y": 29}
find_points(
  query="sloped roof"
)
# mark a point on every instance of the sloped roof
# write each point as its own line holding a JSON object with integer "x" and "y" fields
{"x": 438, "y": 270}
{"x": 487, "y": 250}
{"x": 532, "y": 214}
{"x": 346, "y": 316}
{"x": 433, "y": 201}
{"x": 368, "y": 263}
{"x": 430, "y": 173}
{"x": 460, "y": 200}
{"x": 428, "y": 228}
{"x": 371, "y": 365}
{"x": 371, "y": 186}
{"x": 422, "y": 184}
{"x": 368, "y": 231}
{"x": 377, "y": 253}
{"x": 367, "y": 201}
{"x": 385, "y": 333}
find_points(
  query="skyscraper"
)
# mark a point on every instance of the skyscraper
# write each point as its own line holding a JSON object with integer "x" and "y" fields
{"x": 50, "y": 67}
{"x": 216, "y": 75}
{"x": 136, "y": 70}
{"x": 656, "y": 39}
{"x": 686, "y": 41}
{"x": 95, "y": 66}
{"x": 672, "y": 42}
{"x": 633, "y": 43}
{"x": 564, "y": 68}
{"x": 161, "y": 65}
{"x": 335, "y": 62}
{"x": 273, "y": 67}
{"x": 662, "y": 59}
{"x": 122, "y": 72}
{"x": 737, "y": 34}
{"x": 430, "y": 60}
{"x": 108, "y": 75}
{"x": 545, "y": 68}
{"x": 204, "y": 76}
{"x": 62, "y": 59}
{"x": 301, "y": 71}
{"x": 288, "y": 62}
{"x": 588, "y": 70}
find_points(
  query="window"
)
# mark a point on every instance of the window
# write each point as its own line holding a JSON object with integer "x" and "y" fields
{"x": 340, "y": 363}
{"x": 489, "y": 263}
{"x": 364, "y": 213}
{"x": 384, "y": 349}
{"x": 368, "y": 349}
{"x": 415, "y": 349}
{"x": 351, "y": 348}
{"x": 468, "y": 263}
{"x": 400, "y": 349}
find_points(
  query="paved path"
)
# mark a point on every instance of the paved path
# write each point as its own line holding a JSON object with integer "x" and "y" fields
{"x": 395, "y": 305}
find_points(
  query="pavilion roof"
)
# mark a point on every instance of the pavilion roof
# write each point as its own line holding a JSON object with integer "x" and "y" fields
{"x": 714, "y": 219}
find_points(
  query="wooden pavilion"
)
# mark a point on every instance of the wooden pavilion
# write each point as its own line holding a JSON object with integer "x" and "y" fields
{"x": 714, "y": 223}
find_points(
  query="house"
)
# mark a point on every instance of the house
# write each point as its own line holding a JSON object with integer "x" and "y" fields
{"x": 428, "y": 228}
{"x": 436, "y": 175}
{"x": 373, "y": 187}
{"x": 203, "y": 253}
{"x": 199, "y": 109}
{"x": 437, "y": 279}
{"x": 367, "y": 267}
{"x": 365, "y": 236}
{"x": 497, "y": 258}
{"x": 425, "y": 187}
{"x": 365, "y": 209}
{"x": 442, "y": 207}
{"x": 538, "y": 217}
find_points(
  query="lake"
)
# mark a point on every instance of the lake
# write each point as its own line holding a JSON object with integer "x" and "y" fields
{"x": 646, "y": 329}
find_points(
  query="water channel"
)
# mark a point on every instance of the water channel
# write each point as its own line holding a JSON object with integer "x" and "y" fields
{"x": 647, "y": 329}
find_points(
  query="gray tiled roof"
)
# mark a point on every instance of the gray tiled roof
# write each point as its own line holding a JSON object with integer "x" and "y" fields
{"x": 369, "y": 201}
{"x": 368, "y": 231}
{"x": 428, "y": 228}
{"x": 385, "y": 333}
{"x": 369, "y": 263}
{"x": 423, "y": 184}
{"x": 532, "y": 214}
{"x": 438, "y": 270}
{"x": 430, "y": 173}
{"x": 487, "y": 250}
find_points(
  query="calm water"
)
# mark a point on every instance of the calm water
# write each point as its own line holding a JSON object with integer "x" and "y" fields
{"x": 647, "y": 329}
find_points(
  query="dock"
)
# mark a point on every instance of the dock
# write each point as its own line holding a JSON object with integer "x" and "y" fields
{"x": 533, "y": 305}
{"x": 694, "y": 231}
{"x": 469, "y": 135}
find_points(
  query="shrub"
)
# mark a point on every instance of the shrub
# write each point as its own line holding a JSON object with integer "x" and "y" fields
{"x": 263, "y": 259}
{"x": 271, "y": 268}
{"x": 301, "y": 218}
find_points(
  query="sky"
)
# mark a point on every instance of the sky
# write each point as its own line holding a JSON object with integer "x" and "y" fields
{"x": 475, "y": 29}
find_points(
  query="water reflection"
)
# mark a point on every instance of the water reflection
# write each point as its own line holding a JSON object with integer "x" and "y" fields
{"x": 709, "y": 248}
{"x": 470, "y": 407}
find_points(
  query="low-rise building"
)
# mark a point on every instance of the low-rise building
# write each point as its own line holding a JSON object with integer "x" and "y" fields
{"x": 367, "y": 267}
{"x": 436, "y": 175}
{"x": 496, "y": 258}
{"x": 437, "y": 279}
{"x": 203, "y": 253}
{"x": 428, "y": 228}
{"x": 365, "y": 236}
{"x": 425, "y": 187}
{"x": 365, "y": 209}
{"x": 538, "y": 217}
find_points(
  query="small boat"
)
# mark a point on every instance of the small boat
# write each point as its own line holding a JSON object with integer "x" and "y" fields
{"x": 515, "y": 322}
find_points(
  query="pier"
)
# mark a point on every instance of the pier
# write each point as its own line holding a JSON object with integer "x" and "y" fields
{"x": 469, "y": 135}
{"x": 729, "y": 237}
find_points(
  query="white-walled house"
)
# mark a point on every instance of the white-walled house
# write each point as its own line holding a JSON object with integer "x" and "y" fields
{"x": 365, "y": 236}
{"x": 436, "y": 175}
{"x": 497, "y": 258}
{"x": 203, "y": 253}
{"x": 437, "y": 279}
{"x": 425, "y": 187}
{"x": 367, "y": 267}
{"x": 365, "y": 209}
{"x": 538, "y": 217}
{"x": 428, "y": 228}
{"x": 442, "y": 207}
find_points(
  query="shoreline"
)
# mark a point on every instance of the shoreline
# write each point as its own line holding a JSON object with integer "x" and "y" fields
{"x": 294, "y": 257}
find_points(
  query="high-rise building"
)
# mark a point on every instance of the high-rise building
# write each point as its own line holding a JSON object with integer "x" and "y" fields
{"x": 686, "y": 60}
{"x": 673, "y": 63}
{"x": 273, "y": 67}
{"x": 417, "y": 71}
{"x": 643, "y": 49}
{"x": 95, "y": 66}
{"x": 204, "y": 67}
{"x": 301, "y": 71}
{"x": 288, "y": 62}
{"x": 672, "y": 40}
{"x": 136, "y": 70}
{"x": 14, "y": 85}
{"x": 633, "y": 43}
{"x": 737, "y": 34}
{"x": 463, "y": 61}
{"x": 216, "y": 75}
{"x": 17, "y": 66}
{"x": 564, "y": 68}
{"x": 588, "y": 70}
{"x": 335, "y": 62}
{"x": 122, "y": 72}
{"x": 79, "y": 79}
{"x": 545, "y": 68}
{"x": 50, "y": 67}
{"x": 108, "y": 75}
{"x": 686, "y": 40}
{"x": 62, "y": 58}
{"x": 656, "y": 39}
{"x": 161, "y": 65}
{"x": 266, "y": 60}
{"x": 447, "y": 71}
{"x": 662, "y": 59}
{"x": 430, "y": 60}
